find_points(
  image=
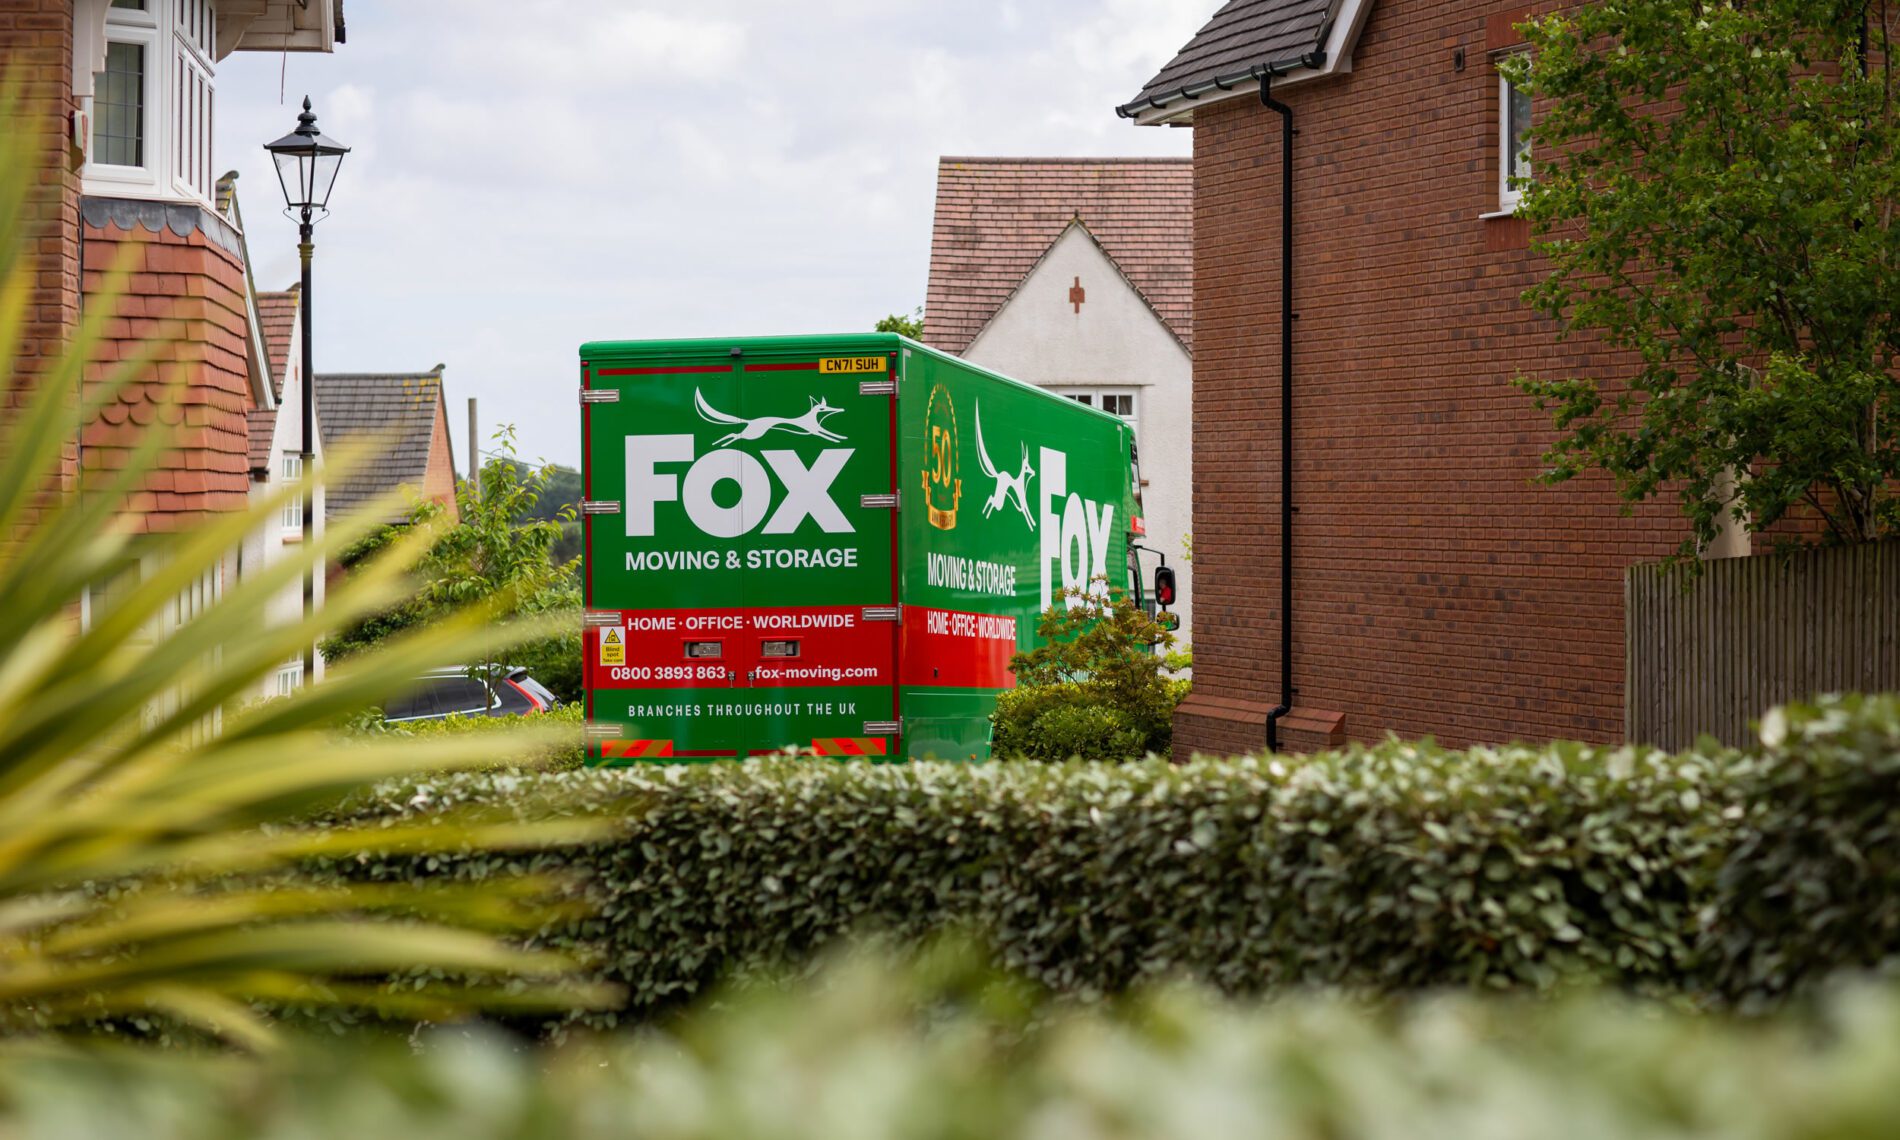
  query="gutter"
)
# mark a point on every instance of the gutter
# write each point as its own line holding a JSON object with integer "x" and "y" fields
{"x": 1260, "y": 73}
{"x": 1287, "y": 317}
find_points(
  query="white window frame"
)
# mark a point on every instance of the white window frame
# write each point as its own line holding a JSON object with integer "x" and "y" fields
{"x": 132, "y": 26}
{"x": 179, "y": 74}
{"x": 289, "y": 677}
{"x": 1133, "y": 418}
{"x": 293, "y": 510}
{"x": 1508, "y": 195}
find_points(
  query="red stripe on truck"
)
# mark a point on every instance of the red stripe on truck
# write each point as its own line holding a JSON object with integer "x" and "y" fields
{"x": 956, "y": 649}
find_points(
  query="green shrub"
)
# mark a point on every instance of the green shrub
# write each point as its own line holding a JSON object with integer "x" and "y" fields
{"x": 1821, "y": 853}
{"x": 1096, "y": 689}
{"x": 851, "y": 1057}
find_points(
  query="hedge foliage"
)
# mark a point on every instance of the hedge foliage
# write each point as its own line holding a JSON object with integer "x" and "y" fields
{"x": 1714, "y": 874}
{"x": 569, "y": 720}
{"x": 852, "y": 1058}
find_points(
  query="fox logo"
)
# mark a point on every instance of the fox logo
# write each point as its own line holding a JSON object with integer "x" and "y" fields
{"x": 1010, "y": 489}
{"x": 811, "y": 423}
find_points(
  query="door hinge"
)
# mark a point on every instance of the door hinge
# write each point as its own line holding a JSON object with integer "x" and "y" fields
{"x": 877, "y": 387}
{"x": 601, "y": 619}
{"x": 878, "y": 613}
{"x": 883, "y": 727}
{"x": 600, "y": 507}
{"x": 600, "y": 395}
{"x": 879, "y": 502}
{"x": 604, "y": 731}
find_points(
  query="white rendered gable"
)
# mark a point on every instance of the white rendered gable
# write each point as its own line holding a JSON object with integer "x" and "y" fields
{"x": 1041, "y": 335}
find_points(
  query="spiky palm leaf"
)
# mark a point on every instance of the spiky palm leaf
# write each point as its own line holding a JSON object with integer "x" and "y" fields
{"x": 110, "y": 775}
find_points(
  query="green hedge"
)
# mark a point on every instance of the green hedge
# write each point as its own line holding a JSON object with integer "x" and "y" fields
{"x": 852, "y": 1058}
{"x": 1388, "y": 868}
{"x": 568, "y": 720}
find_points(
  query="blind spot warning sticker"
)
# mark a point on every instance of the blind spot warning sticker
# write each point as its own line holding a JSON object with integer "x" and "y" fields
{"x": 613, "y": 648}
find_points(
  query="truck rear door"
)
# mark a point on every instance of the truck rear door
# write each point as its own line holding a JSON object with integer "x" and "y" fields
{"x": 821, "y": 631}
{"x": 741, "y": 597}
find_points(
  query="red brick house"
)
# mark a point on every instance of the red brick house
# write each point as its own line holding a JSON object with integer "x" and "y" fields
{"x": 120, "y": 97}
{"x": 1435, "y": 589}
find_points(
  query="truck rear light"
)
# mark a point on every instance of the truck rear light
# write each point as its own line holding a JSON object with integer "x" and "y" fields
{"x": 1138, "y": 525}
{"x": 778, "y": 649}
{"x": 702, "y": 650}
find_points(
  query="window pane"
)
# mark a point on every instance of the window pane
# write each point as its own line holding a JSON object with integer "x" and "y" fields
{"x": 136, "y": 5}
{"x": 1082, "y": 398}
{"x": 1119, "y": 403}
{"x": 118, "y": 134}
{"x": 1519, "y": 124}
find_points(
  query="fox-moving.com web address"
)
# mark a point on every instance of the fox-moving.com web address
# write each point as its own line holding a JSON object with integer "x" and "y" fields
{"x": 819, "y": 673}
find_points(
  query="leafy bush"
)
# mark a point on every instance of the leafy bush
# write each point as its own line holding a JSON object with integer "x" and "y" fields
{"x": 1096, "y": 688}
{"x": 852, "y": 1057}
{"x": 1821, "y": 853}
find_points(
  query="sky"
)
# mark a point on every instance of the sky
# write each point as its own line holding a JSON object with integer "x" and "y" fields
{"x": 528, "y": 175}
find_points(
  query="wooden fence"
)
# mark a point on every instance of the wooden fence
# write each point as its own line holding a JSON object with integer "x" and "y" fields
{"x": 1710, "y": 655}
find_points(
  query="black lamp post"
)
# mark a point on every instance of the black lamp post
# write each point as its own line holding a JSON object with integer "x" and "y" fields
{"x": 307, "y": 163}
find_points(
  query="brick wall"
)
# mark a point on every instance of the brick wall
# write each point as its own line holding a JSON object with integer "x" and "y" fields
{"x": 36, "y": 51}
{"x": 438, "y": 482}
{"x": 186, "y": 294}
{"x": 1437, "y": 590}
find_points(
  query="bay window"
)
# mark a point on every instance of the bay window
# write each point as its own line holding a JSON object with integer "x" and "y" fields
{"x": 151, "y": 106}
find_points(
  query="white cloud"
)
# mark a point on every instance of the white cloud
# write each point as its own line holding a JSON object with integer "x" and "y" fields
{"x": 535, "y": 173}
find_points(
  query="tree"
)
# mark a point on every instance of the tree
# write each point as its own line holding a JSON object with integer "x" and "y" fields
{"x": 911, "y": 326}
{"x": 1715, "y": 189}
{"x": 499, "y": 554}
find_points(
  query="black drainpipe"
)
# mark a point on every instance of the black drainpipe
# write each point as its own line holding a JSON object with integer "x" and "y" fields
{"x": 1287, "y": 317}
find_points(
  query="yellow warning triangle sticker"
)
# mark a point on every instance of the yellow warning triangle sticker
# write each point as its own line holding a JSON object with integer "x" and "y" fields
{"x": 613, "y": 637}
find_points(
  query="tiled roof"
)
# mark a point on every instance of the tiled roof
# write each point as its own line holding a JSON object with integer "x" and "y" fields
{"x": 996, "y": 217}
{"x": 1244, "y": 34}
{"x": 263, "y": 427}
{"x": 277, "y": 314}
{"x": 396, "y": 410}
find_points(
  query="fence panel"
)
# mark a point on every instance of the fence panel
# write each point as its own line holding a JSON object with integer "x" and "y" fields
{"x": 1708, "y": 655}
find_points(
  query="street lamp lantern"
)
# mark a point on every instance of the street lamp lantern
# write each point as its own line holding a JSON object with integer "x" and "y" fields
{"x": 307, "y": 164}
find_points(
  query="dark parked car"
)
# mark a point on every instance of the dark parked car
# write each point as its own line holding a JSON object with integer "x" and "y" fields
{"x": 452, "y": 692}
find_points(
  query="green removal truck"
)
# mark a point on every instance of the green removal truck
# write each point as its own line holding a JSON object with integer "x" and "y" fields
{"x": 832, "y": 544}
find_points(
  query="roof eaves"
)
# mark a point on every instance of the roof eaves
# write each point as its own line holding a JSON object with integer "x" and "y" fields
{"x": 1309, "y": 61}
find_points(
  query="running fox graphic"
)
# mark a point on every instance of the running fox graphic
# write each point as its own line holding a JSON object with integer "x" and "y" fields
{"x": 811, "y": 423}
{"x": 1009, "y": 488}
